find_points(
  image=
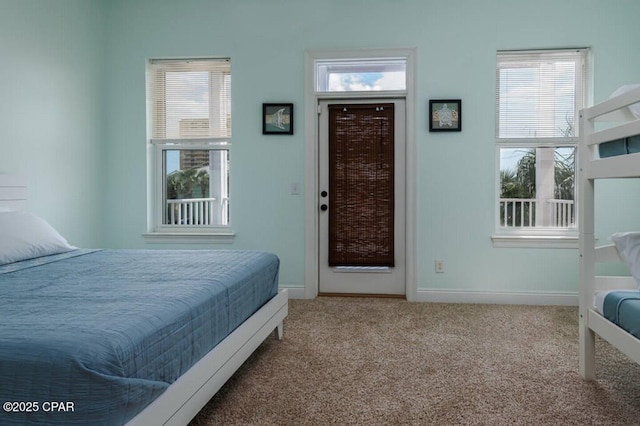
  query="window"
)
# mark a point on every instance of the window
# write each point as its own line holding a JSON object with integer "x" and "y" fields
{"x": 538, "y": 97}
{"x": 361, "y": 75}
{"x": 190, "y": 110}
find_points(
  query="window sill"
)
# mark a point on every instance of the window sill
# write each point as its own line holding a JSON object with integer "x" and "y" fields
{"x": 535, "y": 241}
{"x": 189, "y": 237}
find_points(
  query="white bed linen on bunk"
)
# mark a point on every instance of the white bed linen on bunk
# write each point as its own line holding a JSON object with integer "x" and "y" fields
{"x": 598, "y": 300}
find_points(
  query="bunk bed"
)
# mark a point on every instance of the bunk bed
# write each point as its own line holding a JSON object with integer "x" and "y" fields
{"x": 136, "y": 337}
{"x": 609, "y": 305}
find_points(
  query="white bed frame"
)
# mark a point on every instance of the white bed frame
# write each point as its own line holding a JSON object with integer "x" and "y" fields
{"x": 592, "y": 168}
{"x": 187, "y": 395}
{"x": 13, "y": 192}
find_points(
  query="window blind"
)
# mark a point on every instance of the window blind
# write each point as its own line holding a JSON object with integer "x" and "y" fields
{"x": 191, "y": 99}
{"x": 539, "y": 93}
{"x": 361, "y": 178}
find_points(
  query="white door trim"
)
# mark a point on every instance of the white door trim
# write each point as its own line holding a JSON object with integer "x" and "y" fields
{"x": 311, "y": 160}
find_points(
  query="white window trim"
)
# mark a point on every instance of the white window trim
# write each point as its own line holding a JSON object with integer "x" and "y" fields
{"x": 539, "y": 237}
{"x": 189, "y": 237}
{"x": 535, "y": 241}
{"x": 157, "y": 233}
{"x": 160, "y": 233}
{"x": 324, "y": 67}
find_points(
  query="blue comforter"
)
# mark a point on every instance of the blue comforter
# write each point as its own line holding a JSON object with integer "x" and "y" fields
{"x": 106, "y": 332}
{"x": 623, "y": 309}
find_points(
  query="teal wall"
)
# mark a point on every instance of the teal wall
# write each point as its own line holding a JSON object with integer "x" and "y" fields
{"x": 51, "y": 114}
{"x": 456, "y": 42}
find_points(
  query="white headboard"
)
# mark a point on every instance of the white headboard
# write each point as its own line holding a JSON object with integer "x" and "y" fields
{"x": 13, "y": 192}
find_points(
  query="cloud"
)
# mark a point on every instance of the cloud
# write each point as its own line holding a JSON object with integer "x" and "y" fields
{"x": 365, "y": 82}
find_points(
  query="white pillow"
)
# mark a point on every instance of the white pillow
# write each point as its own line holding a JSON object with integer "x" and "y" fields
{"x": 634, "y": 108}
{"x": 5, "y": 209}
{"x": 628, "y": 245}
{"x": 25, "y": 236}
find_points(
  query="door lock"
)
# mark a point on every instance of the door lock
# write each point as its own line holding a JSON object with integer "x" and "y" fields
{"x": 324, "y": 207}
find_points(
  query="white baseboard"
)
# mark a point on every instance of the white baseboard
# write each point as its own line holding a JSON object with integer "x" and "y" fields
{"x": 483, "y": 297}
{"x": 495, "y": 297}
{"x": 295, "y": 292}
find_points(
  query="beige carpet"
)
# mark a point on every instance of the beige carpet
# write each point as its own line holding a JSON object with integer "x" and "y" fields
{"x": 388, "y": 361}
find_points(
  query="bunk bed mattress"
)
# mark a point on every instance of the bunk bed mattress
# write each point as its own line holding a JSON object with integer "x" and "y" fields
{"x": 105, "y": 332}
{"x": 621, "y": 307}
{"x": 630, "y": 145}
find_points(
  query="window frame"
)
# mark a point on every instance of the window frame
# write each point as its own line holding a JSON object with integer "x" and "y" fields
{"x": 157, "y": 230}
{"x": 539, "y": 237}
{"x": 324, "y": 68}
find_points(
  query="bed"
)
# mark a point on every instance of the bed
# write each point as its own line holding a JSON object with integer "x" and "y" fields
{"x": 114, "y": 337}
{"x": 609, "y": 305}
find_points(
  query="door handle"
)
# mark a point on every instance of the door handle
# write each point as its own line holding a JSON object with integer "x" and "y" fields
{"x": 324, "y": 207}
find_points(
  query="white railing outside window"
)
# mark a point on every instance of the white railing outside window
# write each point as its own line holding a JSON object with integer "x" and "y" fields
{"x": 517, "y": 212}
{"x": 562, "y": 213}
{"x": 192, "y": 211}
{"x": 520, "y": 212}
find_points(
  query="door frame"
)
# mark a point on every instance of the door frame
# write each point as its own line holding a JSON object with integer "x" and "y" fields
{"x": 311, "y": 264}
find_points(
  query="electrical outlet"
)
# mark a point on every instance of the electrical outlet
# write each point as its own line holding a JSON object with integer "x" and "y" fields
{"x": 295, "y": 188}
{"x": 439, "y": 266}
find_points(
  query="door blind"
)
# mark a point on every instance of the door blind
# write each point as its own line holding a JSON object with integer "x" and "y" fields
{"x": 361, "y": 182}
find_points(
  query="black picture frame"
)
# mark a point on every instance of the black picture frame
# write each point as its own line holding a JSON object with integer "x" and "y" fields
{"x": 451, "y": 120}
{"x": 277, "y": 119}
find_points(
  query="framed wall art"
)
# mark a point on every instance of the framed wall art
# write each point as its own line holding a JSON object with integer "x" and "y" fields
{"x": 445, "y": 115}
{"x": 277, "y": 119}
